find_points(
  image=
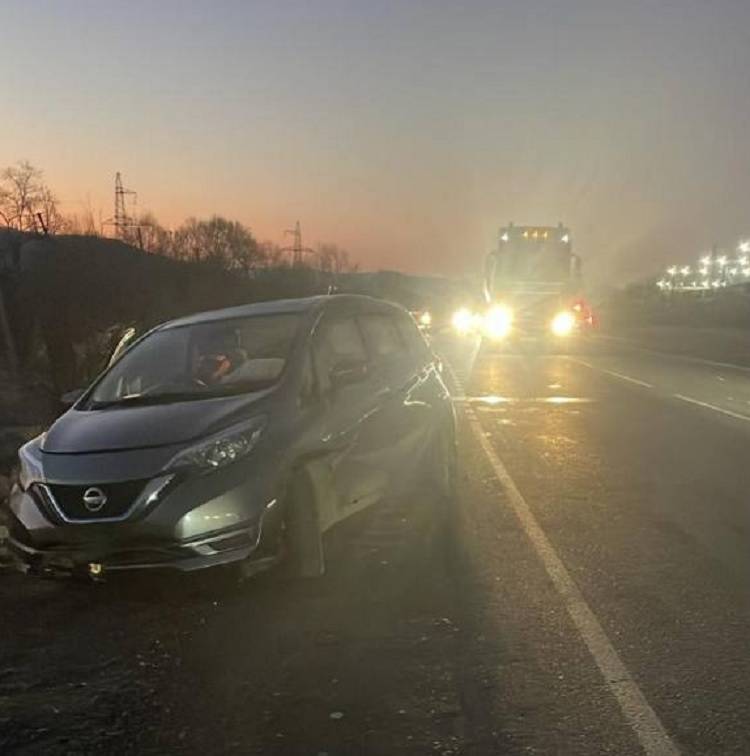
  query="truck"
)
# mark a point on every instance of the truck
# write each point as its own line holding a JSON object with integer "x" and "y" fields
{"x": 533, "y": 288}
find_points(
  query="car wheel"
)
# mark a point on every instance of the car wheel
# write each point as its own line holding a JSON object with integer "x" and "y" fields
{"x": 444, "y": 463}
{"x": 300, "y": 540}
{"x": 291, "y": 548}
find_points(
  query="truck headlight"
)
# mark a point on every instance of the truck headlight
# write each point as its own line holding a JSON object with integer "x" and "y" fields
{"x": 462, "y": 320}
{"x": 220, "y": 450}
{"x": 497, "y": 322}
{"x": 563, "y": 323}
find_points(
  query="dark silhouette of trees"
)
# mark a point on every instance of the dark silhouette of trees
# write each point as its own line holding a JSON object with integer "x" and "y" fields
{"x": 333, "y": 259}
{"x": 218, "y": 241}
{"x": 26, "y": 202}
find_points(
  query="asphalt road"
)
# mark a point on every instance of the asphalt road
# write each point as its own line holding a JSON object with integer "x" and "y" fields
{"x": 586, "y": 593}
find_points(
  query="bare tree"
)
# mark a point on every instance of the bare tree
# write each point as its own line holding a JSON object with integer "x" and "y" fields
{"x": 46, "y": 209}
{"x": 333, "y": 259}
{"x": 25, "y": 200}
{"x": 84, "y": 224}
{"x": 273, "y": 255}
{"x": 153, "y": 236}
{"x": 219, "y": 241}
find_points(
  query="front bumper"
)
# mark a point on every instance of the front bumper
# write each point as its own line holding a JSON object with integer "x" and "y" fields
{"x": 223, "y": 548}
{"x": 194, "y": 524}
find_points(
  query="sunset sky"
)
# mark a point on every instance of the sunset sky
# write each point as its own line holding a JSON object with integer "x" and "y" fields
{"x": 406, "y": 131}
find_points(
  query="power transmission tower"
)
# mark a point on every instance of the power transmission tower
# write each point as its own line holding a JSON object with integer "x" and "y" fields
{"x": 122, "y": 221}
{"x": 297, "y": 249}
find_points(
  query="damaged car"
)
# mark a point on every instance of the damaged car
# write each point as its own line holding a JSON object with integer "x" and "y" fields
{"x": 236, "y": 437}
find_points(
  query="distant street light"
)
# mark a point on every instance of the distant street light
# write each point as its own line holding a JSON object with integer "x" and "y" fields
{"x": 744, "y": 247}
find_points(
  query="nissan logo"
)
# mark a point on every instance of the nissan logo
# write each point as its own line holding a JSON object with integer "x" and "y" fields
{"x": 94, "y": 499}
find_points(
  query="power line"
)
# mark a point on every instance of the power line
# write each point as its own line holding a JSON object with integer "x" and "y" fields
{"x": 122, "y": 221}
{"x": 297, "y": 249}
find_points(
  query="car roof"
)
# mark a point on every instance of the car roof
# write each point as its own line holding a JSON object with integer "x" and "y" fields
{"x": 282, "y": 307}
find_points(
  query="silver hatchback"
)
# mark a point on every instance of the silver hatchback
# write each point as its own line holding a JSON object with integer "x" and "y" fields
{"x": 235, "y": 436}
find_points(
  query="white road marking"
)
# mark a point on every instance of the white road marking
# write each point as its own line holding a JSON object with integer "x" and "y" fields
{"x": 613, "y": 373}
{"x": 494, "y": 401}
{"x": 636, "y": 709}
{"x": 681, "y": 397}
{"x": 706, "y": 405}
{"x": 644, "y": 721}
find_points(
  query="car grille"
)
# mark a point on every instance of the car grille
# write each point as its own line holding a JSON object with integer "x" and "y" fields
{"x": 535, "y": 318}
{"x": 120, "y": 498}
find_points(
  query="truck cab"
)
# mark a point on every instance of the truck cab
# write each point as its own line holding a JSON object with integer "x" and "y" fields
{"x": 532, "y": 287}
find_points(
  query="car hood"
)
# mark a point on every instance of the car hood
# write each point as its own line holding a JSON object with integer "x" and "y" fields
{"x": 121, "y": 428}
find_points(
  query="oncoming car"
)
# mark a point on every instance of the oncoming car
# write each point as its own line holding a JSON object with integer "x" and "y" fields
{"x": 237, "y": 436}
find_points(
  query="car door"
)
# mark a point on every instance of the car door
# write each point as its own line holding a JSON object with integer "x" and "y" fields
{"x": 352, "y": 403}
{"x": 406, "y": 416}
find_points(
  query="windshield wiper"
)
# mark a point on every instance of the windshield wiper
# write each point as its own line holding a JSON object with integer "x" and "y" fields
{"x": 141, "y": 400}
{"x": 170, "y": 397}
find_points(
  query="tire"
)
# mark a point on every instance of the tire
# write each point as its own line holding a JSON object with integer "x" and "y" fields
{"x": 443, "y": 468}
{"x": 300, "y": 540}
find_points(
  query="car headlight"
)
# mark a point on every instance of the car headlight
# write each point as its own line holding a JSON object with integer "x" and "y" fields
{"x": 497, "y": 322}
{"x": 220, "y": 450}
{"x": 462, "y": 320}
{"x": 563, "y": 323}
{"x": 425, "y": 319}
{"x": 29, "y": 469}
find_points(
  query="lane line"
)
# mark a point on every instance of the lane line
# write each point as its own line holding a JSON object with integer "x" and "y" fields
{"x": 613, "y": 373}
{"x": 681, "y": 397}
{"x": 637, "y": 711}
{"x": 706, "y": 405}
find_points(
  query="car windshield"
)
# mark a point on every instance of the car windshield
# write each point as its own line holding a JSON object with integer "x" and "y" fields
{"x": 204, "y": 360}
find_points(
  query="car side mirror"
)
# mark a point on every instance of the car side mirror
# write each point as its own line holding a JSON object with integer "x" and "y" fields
{"x": 69, "y": 398}
{"x": 347, "y": 372}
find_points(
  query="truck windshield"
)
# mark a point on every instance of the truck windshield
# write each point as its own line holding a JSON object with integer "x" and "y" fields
{"x": 539, "y": 262}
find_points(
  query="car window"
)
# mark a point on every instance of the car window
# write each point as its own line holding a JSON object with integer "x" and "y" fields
{"x": 308, "y": 393}
{"x": 383, "y": 337}
{"x": 200, "y": 360}
{"x": 413, "y": 339}
{"x": 336, "y": 341}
